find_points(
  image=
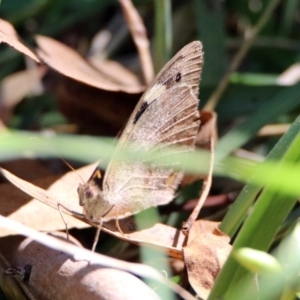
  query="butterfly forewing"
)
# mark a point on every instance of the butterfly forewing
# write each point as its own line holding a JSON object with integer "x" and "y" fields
{"x": 184, "y": 69}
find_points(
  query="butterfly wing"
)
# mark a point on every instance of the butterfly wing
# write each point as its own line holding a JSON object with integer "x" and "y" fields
{"x": 184, "y": 69}
{"x": 167, "y": 114}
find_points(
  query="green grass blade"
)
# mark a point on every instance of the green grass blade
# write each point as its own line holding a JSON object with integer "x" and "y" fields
{"x": 163, "y": 33}
{"x": 259, "y": 229}
{"x": 210, "y": 24}
{"x": 281, "y": 103}
{"x": 238, "y": 211}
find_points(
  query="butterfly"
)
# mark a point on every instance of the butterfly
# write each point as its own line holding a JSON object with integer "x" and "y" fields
{"x": 167, "y": 114}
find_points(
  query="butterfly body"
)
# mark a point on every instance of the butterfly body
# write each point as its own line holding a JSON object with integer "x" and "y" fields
{"x": 166, "y": 115}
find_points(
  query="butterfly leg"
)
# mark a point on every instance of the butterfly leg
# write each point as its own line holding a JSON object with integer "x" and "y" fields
{"x": 66, "y": 224}
{"x": 117, "y": 220}
{"x": 96, "y": 239}
{"x": 118, "y": 226}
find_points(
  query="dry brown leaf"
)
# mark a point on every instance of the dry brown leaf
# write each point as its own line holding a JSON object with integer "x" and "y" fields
{"x": 30, "y": 212}
{"x": 29, "y": 169}
{"x": 207, "y": 136}
{"x": 64, "y": 192}
{"x": 68, "y": 62}
{"x": 98, "y": 97}
{"x": 56, "y": 275}
{"x": 18, "y": 206}
{"x": 204, "y": 255}
{"x": 15, "y": 87}
{"x": 9, "y": 35}
{"x": 112, "y": 69}
{"x": 95, "y": 111}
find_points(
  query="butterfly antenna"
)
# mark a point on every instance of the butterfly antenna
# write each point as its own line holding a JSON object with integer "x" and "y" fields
{"x": 54, "y": 152}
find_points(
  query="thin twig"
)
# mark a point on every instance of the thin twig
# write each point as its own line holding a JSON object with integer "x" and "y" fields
{"x": 273, "y": 130}
{"x": 139, "y": 35}
{"x": 206, "y": 188}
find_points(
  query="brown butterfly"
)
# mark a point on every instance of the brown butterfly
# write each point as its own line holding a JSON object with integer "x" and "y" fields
{"x": 167, "y": 114}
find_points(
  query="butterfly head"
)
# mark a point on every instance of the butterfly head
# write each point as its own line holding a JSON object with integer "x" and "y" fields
{"x": 90, "y": 194}
{"x": 87, "y": 193}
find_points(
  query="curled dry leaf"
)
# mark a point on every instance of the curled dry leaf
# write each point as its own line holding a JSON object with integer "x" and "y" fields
{"x": 15, "y": 87}
{"x": 33, "y": 213}
{"x": 68, "y": 62}
{"x": 207, "y": 136}
{"x": 56, "y": 275}
{"x": 96, "y": 111}
{"x": 204, "y": 255}
{"x": 9, "y": 35}
{"x": 97, "y": 95}
{"x": 18, "y": 206}
{"x": 112, "y": 69}
{"x": 64, "y": 192}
